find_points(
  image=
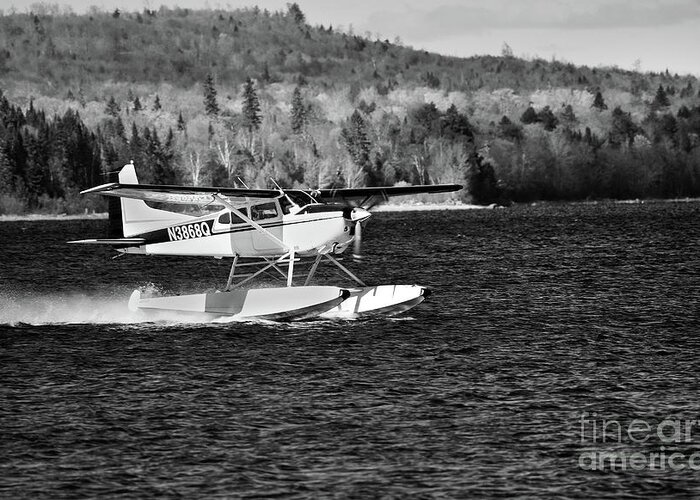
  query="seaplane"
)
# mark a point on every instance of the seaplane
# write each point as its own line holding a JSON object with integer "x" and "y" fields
{"x": 264, "y": 230}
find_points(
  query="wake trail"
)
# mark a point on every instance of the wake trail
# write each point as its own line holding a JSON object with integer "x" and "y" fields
{"x": 82, "y": 308}
{"x": 79, "y": 308}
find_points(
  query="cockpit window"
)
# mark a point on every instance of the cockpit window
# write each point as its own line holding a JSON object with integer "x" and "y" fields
{"x": 264, "y": 211}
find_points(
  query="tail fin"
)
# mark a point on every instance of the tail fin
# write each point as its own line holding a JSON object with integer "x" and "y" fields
{"x": 128, "y": 217}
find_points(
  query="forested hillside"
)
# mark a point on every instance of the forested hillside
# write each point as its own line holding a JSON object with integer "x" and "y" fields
{"x": 206, "y": 97}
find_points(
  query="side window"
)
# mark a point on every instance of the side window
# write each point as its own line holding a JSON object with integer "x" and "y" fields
{"x": 264, "y": 211}
{"x": 235, "y": 219}
{"x": 230, "y": 218}
{"x": 225, "y": 218}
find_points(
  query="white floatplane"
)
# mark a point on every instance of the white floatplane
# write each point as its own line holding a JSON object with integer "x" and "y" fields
{"x": 270, "y": 229}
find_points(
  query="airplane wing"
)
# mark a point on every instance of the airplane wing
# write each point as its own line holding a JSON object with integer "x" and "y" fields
{"x": 370, "y": 196}
{"x": 187, "y": 195}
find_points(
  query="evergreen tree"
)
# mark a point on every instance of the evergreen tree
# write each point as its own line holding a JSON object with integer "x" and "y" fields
{"x": 6, "y": 178}
{"x": 167, "y": 173}
{"x": 210, "y": 105}
{"x": 683, "y": 112}
{"x": 137, "y": 104}
{"x": 509, "y": 130}
{"x": 265, "y": 77}
{"x": 356, "y": 141}
{"x": 112, "y": 108}
{"x": 661, "y": 98}
{"x": 687, "y": 91}
{"x": 156, "y": 104}
{"x": 426, "y": 122}
{"x": 568, "y": 118}
{"x": 529, "y": 116}
{"x": 623, "y": 128}
{"x": 251, "y": 107}
{"x": 295, "y": 12}
{"x": 598, "y": 102}
{"x": 119, "y": 129}
{"x": 547, "y": 118}
{"x": 16, "y": 156}
{"x": 210, "y": 133}
{"x": 298, "y": 112}
{"x": 481, "y": 181}
{"x": 456, "y": 126}
{"x": 667, "y": 127}
{"x": 35, "y": 173}
{"x": 431, "y": 80}
{"x": 181, "y": 126}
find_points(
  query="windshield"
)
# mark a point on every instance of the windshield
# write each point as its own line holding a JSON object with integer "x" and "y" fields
{"x": 300, "y": 197}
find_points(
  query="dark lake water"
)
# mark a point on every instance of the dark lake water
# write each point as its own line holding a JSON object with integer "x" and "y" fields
{"x": 546, "y": 320}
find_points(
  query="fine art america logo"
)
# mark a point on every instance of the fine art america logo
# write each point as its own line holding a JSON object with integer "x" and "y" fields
{"x": 638, "y": 444}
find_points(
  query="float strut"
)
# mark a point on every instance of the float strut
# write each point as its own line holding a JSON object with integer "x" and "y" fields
{"x": 313, "y": 269}
{"x": 230, "y": 275}
{"x": 290, "y": 272}
{"x": 260, "y": 271}
{"x": 345, "y": 269}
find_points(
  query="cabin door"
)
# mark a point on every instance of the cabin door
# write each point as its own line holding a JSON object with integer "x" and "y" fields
{"x": 269, "y": 216}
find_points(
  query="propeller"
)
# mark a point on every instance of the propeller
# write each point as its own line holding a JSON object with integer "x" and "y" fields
{"x": 358, "y": 215}
{"x": 357, "y": 244}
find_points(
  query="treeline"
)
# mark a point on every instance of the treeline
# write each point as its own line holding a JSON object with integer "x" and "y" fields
{"x": 550, "y": 155}
{"x": 44, "y": 163}
{"x": 539, "y": 155}
{"x": 278, "y": 121}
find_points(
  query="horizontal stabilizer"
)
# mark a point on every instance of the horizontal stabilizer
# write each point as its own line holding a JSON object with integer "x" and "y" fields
{"x": 122, "y": 242}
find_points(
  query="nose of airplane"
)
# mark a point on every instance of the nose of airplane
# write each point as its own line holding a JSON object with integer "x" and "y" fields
{"x": 359, "y": 214}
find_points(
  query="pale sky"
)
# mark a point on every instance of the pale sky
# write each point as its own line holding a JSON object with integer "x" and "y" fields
{"x": 651, "y": 35}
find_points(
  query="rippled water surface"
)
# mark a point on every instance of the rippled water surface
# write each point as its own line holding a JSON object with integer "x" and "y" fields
{"x": 541, "y": 315}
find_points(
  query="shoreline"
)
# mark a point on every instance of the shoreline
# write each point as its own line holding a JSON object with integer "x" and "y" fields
{"x": 424, "y": 207}
{"x": 40, "y": 217}
{"x": 409, "y": 207}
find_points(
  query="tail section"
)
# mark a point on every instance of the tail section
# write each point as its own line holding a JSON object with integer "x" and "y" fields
{"x": 131, "y": 217}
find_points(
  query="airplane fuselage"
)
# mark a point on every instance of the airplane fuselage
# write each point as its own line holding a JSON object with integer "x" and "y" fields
{"x": 225, "y": 234}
